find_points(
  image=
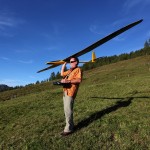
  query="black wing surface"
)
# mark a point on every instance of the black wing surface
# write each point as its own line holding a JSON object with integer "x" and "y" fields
{"x": 104, "y": 40}
{"x": 52, "y": 66}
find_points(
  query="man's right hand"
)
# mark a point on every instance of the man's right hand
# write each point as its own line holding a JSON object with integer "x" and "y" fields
{"x": 64, "y": 64}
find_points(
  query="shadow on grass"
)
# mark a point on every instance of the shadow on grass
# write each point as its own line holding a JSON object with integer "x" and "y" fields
{"x": 120, "y": 97}
{"x": 99, "y": 114}
{"x": 123, "y": 102}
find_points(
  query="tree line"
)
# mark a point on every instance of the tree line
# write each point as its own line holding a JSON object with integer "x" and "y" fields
{"x": 116, "y": 58}
{"x": 108, "y": 60}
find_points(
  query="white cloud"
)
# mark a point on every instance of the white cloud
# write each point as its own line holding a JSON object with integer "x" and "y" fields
{"x": 98, "y": 30}
{"x": 22, "y": 51}
{"x": 119, "y": 22}
{"x": 119, "y": 39}
{"x": 130, "y": 4}
{"x": 5, "y": 58}
{"x": 148, "y": 34}
{"x": 7, "y": 21}
{"x": 95, "y": 29}
{"x": 52, "y": 48}
{"x": 12, "y": 82}
{"x": 26, "y": 62}
{"x": 32, "y": 77}
{"x": 6, "y": 34}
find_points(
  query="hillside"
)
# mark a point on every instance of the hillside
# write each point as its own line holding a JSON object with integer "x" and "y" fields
{"x": 111, "y": 111}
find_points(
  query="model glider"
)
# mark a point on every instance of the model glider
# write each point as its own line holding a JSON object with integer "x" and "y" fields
{"x": 59, "y": 62}
{"x": 91, "y": 47}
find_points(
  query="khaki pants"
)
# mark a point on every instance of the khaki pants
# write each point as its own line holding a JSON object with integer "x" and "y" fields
{"x": 68, "y": 110}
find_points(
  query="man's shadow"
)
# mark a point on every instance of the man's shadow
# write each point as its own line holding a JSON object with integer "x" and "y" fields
{"x": 124, "y": 102}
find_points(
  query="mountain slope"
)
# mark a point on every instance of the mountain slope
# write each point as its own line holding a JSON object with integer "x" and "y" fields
{"x": 111, "y": 112}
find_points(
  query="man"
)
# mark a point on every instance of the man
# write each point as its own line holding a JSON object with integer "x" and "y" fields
{"x": 71, "y": 80}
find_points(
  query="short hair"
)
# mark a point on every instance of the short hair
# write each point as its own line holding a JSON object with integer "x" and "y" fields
{"x": 77, "y": 59}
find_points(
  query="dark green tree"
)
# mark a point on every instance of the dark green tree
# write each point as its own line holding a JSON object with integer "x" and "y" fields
{"x": 146, "y": 44}
{"x": 53, "y": 76}
{"x": 37, "y": 82}
{"x": 58, "y": 76}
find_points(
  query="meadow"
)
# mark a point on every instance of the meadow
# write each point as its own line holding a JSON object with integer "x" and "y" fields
{"x": 111, "y": 112}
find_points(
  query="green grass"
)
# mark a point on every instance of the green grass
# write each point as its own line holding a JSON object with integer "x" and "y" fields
{"x": 111, "y": 112}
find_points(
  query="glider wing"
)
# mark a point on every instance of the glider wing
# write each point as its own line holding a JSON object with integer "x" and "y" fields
{"x": 96, "y": 44}
{"x": 104, "y": 40}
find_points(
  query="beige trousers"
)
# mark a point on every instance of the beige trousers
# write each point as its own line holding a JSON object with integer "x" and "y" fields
{"x": 68, "y": 110}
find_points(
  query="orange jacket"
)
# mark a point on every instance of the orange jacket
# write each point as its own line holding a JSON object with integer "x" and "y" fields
{"x": 75, "y": 74}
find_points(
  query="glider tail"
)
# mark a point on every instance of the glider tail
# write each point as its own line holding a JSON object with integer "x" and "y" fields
{"x": 93, "y": 56}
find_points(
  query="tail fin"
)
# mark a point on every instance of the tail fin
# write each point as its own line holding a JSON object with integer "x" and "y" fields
{"x": 92, "y": 60}
{"x": 93, "y": 56}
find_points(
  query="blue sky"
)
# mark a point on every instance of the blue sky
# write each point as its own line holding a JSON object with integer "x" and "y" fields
{"x": 33, "y": 32}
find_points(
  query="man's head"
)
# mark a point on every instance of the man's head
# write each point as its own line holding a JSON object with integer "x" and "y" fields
{"x": 74, "y": 61}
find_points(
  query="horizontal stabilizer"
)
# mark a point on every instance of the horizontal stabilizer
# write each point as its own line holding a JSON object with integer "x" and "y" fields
{"x": 56, "y": 62}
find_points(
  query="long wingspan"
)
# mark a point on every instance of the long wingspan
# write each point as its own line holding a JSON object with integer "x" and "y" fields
{"x": 104, "y": 40}
{"x": 98, "y": 43}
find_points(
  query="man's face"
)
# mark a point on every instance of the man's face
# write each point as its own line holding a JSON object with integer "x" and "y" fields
{"x": 73, "y": 63}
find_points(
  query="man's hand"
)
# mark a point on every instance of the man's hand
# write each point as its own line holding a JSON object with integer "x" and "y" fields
{"x": 65, "y": 81}
{"x": 63, "y": 68}
{"x": 64, "y": 64}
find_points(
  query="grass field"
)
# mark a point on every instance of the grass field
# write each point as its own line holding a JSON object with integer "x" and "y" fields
{"x": 111, "y": 112}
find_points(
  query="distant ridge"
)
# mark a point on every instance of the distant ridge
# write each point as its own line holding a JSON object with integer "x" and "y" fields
{"x": 4, "y": 87}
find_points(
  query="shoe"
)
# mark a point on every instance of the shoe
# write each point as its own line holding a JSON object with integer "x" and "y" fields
{"x": 65, "y": 133}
